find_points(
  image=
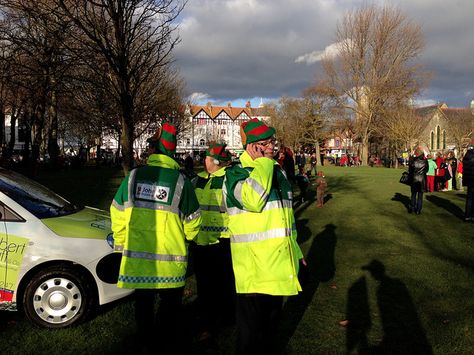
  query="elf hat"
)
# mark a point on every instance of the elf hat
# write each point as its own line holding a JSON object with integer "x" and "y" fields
{"x": 418, "y": 152}
{"x": 471, "y": 145}
{"x": 217, "y": 151}
{"x": 164, "y": 140}
{"x": 255, "y": 130}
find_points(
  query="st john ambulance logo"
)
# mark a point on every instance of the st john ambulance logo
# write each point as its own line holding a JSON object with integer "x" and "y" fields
{"x": 161, "y": 194}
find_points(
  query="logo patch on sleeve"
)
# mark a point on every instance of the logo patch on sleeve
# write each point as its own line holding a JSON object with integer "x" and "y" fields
{"x": 152, "y": 192}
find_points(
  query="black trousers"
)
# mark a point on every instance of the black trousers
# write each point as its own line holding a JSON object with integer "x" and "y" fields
{"x": 258, "y": 317}
{"x": 163, "y": 327}
{"x": 215, "y": 284}
{"x": 469, "y": 210}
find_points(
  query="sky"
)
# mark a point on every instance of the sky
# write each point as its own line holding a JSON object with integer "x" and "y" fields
{"x": 260, "y": 50}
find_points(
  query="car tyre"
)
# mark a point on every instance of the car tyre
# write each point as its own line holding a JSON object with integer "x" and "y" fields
{"x": 58, "y": 296}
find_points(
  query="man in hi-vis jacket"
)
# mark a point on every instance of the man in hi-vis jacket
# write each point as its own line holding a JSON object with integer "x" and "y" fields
{"x": 265, "y": 254}
{"x": 154, "y": 212}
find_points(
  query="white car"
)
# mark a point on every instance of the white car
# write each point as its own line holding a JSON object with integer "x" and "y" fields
{"x": 56, "y": 259}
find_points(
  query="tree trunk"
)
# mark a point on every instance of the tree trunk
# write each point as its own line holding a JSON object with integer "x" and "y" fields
{"x": 127, "y": 132}
{"x": 13, "y": 119}
{"x": 53, "y": 147}
{"x": 2, "y": 130}
{"x": 364, "y": 151}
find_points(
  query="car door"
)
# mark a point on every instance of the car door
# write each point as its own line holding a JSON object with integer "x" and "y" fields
{"x": 12, "y": 249}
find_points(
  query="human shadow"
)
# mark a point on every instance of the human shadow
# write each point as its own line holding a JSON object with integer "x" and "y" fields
{"x": 403, "y": 332}
{"x": 321, "y": 268}
{"x": 327, "y": 197}
{"x": 447, "y": 205}
{"x": 357, "y": 317}
{"x": 405, "y": 200}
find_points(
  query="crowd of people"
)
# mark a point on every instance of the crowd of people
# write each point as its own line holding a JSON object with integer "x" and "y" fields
{"x": 240, "y": 223}
{"x": 443, "y": 172}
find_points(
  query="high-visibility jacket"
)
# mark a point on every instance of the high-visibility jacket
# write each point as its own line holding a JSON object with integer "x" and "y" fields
{"x": 208, "y": 188}
{"x": 265, "y": 254}
{"x": 153, "y": 213}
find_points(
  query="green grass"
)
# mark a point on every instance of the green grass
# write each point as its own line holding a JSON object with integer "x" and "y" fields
{"x": 426, "y": 291}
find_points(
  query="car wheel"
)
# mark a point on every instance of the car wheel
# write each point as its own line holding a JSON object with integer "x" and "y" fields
{"x": 57, "y": 297}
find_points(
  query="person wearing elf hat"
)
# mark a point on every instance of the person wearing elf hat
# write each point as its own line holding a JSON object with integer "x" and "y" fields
{"x": 417, "y": 169}
{"x": 154, "y": 212}
{"x": 265, "y": 254}
{"x": 211, "y": 248}
{"x": 468, "y": 180}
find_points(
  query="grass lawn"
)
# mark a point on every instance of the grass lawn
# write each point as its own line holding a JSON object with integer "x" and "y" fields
{"x": 419, "y": 284}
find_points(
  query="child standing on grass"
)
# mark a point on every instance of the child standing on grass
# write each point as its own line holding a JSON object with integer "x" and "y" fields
{"x": 320, "y": 188}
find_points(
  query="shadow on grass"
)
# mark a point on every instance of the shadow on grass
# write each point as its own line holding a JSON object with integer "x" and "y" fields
{"x": 405, "y": 200}
{"x": 321, "y": 268}
{"x": 403, "y": 332}
{"x": 357, "y": 317}
{"x": 447, "y": 205}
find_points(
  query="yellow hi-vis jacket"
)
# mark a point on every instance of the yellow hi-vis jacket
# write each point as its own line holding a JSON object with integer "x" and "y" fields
{"x": 153, "y": 213}
{"x": 208, "y": 188}
{"x": 265, "y": 254}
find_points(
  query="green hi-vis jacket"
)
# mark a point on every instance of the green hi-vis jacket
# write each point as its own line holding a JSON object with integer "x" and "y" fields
{"x": 265, "y": 254}
{"x": 154, "y": 211}
{"x": 208, "y": 188}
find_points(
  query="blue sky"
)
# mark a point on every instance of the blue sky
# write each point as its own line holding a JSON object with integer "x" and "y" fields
{"x": 239, "y": 50}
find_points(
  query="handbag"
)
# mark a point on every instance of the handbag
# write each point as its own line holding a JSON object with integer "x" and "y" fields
{"x": 405, "y": 178}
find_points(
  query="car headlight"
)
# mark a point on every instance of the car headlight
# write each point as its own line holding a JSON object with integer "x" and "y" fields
{"x": 110, "y": 240}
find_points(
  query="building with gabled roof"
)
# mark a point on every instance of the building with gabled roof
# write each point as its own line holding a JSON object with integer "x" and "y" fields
{"x": 209, "y": 123}
{"x": 439, "y": 133}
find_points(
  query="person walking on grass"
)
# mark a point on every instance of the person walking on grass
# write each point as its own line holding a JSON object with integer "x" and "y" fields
{"x": 154, "y": 212}
{"x": 265, "y": 254}
{"x": 468, "y": 181}
{"x": 417, "y": 169}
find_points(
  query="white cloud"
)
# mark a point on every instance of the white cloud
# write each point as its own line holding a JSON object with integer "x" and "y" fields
{"x": 197, "y": 97}
{"x": 330, "y": 51}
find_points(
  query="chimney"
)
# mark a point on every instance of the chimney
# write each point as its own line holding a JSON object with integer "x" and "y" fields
{"x": 247, "y": 104}
{"x": 229, "y": 105}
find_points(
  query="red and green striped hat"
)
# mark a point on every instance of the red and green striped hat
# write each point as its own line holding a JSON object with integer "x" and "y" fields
{"x": 217, "y": 151}
{"x": 164, "y": 140}
{"x": 418, "y": 152}
{"x": 255, "y": 130}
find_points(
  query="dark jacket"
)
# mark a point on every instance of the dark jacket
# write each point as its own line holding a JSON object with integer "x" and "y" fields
{"x": 468, "y": 169}
{"x": 417, "y": 169}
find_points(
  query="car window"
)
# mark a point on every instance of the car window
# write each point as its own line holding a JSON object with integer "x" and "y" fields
{"x": 8, "y": 215}
{"x": 34, "y": 197}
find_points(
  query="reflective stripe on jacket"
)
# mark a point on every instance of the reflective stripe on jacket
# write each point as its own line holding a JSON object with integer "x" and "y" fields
{"x": 154, "y": 211}
{"x": 265, "y": 253}
{"x": 215, "y": 221}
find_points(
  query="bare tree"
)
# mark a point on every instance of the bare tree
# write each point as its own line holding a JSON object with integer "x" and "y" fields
{"x": 135, "y": 40}
{"x": 402, "y": 129}
{"x": 375, "y": 67}
{"x": 460, "y": 123}
{"x": 288, "y": 120}
{"x": 319, "y": 110}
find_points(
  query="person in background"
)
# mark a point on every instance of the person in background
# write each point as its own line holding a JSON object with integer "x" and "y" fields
{"x": 321, "y": 185}
{"x": 459, "y": 174}
{"x": 430, "y": 175}
{"x": 303, "y": 183}
{"x": 417, "y": 169}
{"x": 211, "y": 248}
{"x": 154, "y": 212}
{"x": 313, "y": 161}
{"x": 453, "y": 162}
{"x": 265, "y": 254}
{"x": 189, "y": 165}
{"x": 468, "y": 181}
